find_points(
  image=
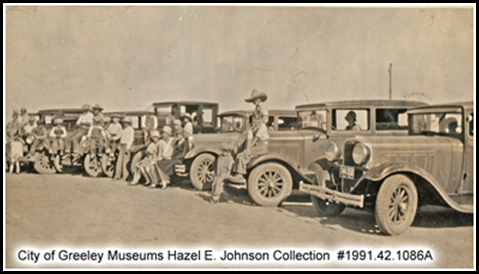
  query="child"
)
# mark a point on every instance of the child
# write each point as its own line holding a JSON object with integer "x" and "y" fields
{"x": 114, "y": 132}
{"x": 224, "y": 164}
{"x": 143, "y": 167}
{"x": 58, "y": 135}
{"x": 97, "y": 136}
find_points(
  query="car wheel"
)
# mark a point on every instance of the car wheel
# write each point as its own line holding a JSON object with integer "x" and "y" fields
{"x": 43, "y": 164}
{"x": 202, "y": 171}
{"x": 269, "y": 184}
{"x": 325, "y": 208}
{"x": 396, "y": 205}
{"x": 92, "y": 166}
{"x": 108, "y": 165}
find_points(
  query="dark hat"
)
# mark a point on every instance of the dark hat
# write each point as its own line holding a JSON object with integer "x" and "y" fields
{"x": 351, "y": 114}
{"x": 255, "y": 95}
{"x": 97, "y": 106}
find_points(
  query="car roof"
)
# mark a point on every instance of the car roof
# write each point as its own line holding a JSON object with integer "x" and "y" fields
{"x": 363, "y": 103}
{"x": 64, "y": 110}
{"x": 186, "y": 103}
{"x": 449, "y": 107}
{"x": 127, "y": 112}
{"x": 273, "y": 112}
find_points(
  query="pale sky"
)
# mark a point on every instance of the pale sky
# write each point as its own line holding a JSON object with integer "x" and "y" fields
{"x": 126, "y": 58}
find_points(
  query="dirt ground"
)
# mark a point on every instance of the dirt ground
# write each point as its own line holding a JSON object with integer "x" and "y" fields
{"x": 64, "y": 210}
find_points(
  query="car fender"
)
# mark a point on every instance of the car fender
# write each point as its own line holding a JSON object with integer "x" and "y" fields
{"x": 384, "y": 170}
{"x": 197, "y": 151}
{"x": 273, "y": 157}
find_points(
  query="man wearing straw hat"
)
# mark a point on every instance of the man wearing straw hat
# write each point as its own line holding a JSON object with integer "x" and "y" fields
{"x": 83, "y": 125}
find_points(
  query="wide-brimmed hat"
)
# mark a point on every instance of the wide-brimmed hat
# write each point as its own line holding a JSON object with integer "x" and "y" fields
{"x": 166, "y": 129}
{"x": 86, "y": 107}
{"x": 351, "y": 114}
{"x": 126, "y": 120}
{"x": 57, "y": 121}
{"x": 255, "y": 95}
{"x": 187, "y": 116}
{"x": 97, "y": 106}
{"x": 115, "y": 115}
{"x": 155, "y": 133}
{"x": 150, "y": 109}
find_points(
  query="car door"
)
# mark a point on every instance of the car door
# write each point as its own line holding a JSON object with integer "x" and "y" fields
{"x": 468, "y": 166}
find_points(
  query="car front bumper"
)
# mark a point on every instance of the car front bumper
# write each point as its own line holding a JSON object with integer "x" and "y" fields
{"x": 332, "y": 195}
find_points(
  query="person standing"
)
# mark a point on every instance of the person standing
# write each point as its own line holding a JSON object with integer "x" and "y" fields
{"x": 23, "y": 119}
{"x": 82, "y": 126}
{"x": 114, "y": 132}
{"x": 126, "y": 141}
{"x": 149, "y": 122}
{"x": 224, "y": 164}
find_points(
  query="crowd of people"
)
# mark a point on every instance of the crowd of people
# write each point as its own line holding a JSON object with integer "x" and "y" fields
{"x": 164, "y": 149}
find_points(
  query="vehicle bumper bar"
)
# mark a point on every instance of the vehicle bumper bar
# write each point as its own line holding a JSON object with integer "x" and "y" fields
{"x": 332, "y": 195}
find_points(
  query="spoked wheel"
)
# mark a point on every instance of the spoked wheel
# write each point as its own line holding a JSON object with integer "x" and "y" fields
{"x": 108, "y": 165}
{"x": 269, "y": 184}
{"x": 43, "y": 164}
{"x": 396, "y": 205}
{"x": 92, "y": 165}
{"x": 202, "y": 171}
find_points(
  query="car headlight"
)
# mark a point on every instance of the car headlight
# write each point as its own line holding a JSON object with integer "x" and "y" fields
{"x": 29, "y": 139}
{"x": 333, "y": 153}
{"x": 361, "y": 154}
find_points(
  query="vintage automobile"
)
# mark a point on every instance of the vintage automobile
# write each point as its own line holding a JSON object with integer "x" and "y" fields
{"x": 204, "y": 121}
{"x": 394, "y": 175}
{"x": 293, "y": 156}
{"x": 199, "y": 161}
{"x": 45, "y": 163}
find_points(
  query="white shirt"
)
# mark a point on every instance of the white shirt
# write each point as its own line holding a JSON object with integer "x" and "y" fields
{"x": 166, "y": 149}
{"x": 85, "y": 118}
{"x": 28, "y": 128}
{"x": 62, "y": 128}
{"x": 127, "y": 136}
{"x": 115, "y": 131}
{"x": 261, "y": 133}
{"x": 188, "y": 130}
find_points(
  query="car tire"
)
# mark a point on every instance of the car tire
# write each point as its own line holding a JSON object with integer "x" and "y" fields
{"x": 202, "y": 171}
{"x": 396, "y": 205}
{"x": 107, "y": 166}
{"x": 269, "y": 184}
{"x": 325, "y": 208}
{"x": 42, "y": 164}
{"x": 92, "y": 166}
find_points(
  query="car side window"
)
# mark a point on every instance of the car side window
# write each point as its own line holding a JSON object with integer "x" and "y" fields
{"x": 350, "y": 120}
{"x": 287, "y": 123}
{"x": 471, "y": 124}
{"x": 391, "y": 119}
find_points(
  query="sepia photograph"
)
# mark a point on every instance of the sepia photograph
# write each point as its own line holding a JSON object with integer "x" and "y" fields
{"x": 239, "y": 136}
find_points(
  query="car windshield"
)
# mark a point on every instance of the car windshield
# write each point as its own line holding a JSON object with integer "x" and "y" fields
{"x": 312, "y": 119}
{"x": 436, "y": 124}
{"x": 232, "y": 123}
